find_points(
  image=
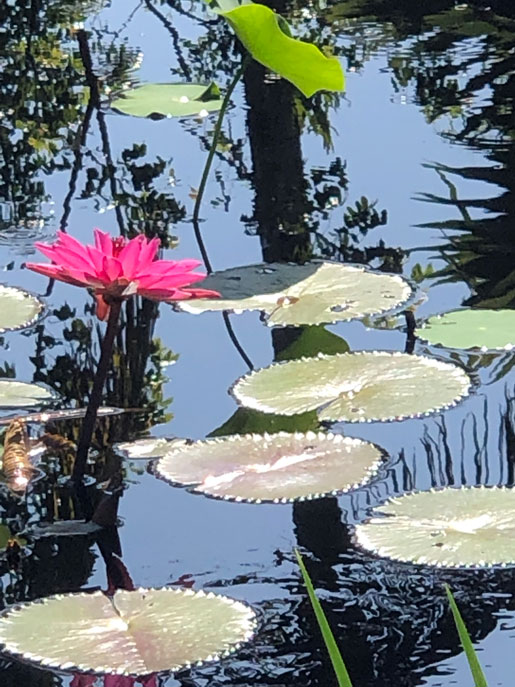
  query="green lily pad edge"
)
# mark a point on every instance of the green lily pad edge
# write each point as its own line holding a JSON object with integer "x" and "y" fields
{"x": 470, "y": 329}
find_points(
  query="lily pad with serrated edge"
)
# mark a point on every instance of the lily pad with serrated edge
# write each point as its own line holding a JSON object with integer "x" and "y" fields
{"x": 366, "y": 386}
{"x": 18, "y": 309}
{"x": 168, "y": 100}
{"x": 467, "y": 329}
{"x": 147, "y": 448}
{"x": 454, "y": 528}
{"x": 131, "y": 633}
{"x": 314, "y": 293}
{"x": 277, "y": 468}
{"x": 15, "y": 394}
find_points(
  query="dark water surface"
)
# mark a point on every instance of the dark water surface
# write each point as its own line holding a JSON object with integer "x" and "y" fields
{"x": 426, "y": 128}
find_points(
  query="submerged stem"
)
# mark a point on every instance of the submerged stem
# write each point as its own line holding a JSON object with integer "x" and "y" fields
{"x": 95, "y": 398}
{"x": 211, "y": 154}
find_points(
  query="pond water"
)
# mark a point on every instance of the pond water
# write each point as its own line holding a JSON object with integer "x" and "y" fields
{"x": 424, "y": 133}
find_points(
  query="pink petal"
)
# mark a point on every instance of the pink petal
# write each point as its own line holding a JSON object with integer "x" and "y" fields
{"x": 130, "y": 258}
{"x": 67, "y": 241}
{"x": 169, "y": 267}
{"x": 184, "y": 294}
{"x": 103, "y": 309}
{"x": 172, "y": 281}
{"x": 103, "y": 242}
{"x": 57, "y": 272}
{"x": 149, "y": 250}
{"x": 97, "y": 262}
{"x": 112, "y": 268}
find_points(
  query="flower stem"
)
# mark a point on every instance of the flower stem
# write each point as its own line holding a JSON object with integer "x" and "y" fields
{"x": 211, "y": 154}
{"x": 95, "y": 398}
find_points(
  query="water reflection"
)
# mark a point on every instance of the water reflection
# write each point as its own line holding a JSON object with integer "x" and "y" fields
{"x": 391, "y": 620}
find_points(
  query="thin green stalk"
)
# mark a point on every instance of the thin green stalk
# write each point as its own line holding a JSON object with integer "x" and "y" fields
{"x": 339, "y": 666}
{"x": 473, "y": 661}
{"x": 216, "y": 136}
{"x": 96, "y": 396}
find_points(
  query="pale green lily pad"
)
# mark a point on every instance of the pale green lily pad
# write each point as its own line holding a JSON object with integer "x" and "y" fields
{"x": 277, "y": 468}
{"x": 137, "y": 633}
{"x": 355, "y": 387}
{"x": 468, "y": 527}
{"x": 466, "y": 329}
{"x": 145, "y": 449}
{"x": 18, "y": 309}
{"x": 315, "y": 293}
{"x": 15, "y": 394}
{"x": 169, "y": 100}
{"x": 263, "y": 33}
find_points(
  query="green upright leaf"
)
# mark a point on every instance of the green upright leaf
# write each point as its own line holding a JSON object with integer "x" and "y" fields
{"x": 339, "y": 666}
{"x": 466, "y": 643}
{"x": 260, "y": 31}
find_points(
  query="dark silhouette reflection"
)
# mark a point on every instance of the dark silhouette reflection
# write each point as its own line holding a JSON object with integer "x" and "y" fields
{"x": 391, "y": 620}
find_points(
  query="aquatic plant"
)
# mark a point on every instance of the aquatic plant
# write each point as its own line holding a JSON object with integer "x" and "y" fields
{"x": 449, "y": 528}
{"x": 277, "y": 468}
{"x": 365, "y": 386}
{"x": 18, "y": 309}
{"x": 130, "y": 633}
{"x": 467, "y": 329}
{"x": 339, "y": 667}
{"x": 115, "y": 269}
{"x": 314, "y": 293}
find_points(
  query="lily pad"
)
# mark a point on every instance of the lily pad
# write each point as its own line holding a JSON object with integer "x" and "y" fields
{"x": 266, "y": 36}
{"x": 355, "y": 387}
{"x": 277, "y": 468}
{"x": 168, "y": 100}
{"x": 18, "y": 309}
{"x": 145, "y": 449}
{"x": 466, "y": 329}
{"x": 15, "y": 394}
{"x": 468, "y": 527}
{"x": 131, "y": 633}
{"x": 315, "y": 293}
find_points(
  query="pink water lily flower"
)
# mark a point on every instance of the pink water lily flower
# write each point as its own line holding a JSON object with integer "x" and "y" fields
{"x": 118, "y": 268}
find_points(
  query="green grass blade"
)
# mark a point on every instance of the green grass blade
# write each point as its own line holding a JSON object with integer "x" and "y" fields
{"x": 332, "y": 648}
{"x": 466, "y": 643}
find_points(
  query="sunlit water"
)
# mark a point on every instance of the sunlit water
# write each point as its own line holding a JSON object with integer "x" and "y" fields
{"x": 424, "y": 94}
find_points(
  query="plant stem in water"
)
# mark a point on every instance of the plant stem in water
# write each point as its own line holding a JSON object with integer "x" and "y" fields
{"x": 212, "y": 150}
{"x": 95, "y": 398}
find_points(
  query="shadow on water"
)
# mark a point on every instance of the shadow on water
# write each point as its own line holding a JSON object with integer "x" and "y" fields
{"x": 391, "y": 620}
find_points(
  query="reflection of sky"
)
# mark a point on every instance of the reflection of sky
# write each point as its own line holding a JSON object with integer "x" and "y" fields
{"x": 167, "y": 532}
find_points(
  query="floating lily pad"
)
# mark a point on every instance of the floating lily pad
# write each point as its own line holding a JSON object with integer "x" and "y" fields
{"x": 18, "y": 308}
{"x": 468, "y": 527}
{"x": 272, "y": 467}
{"x": 15, "y": 394}
{"x": 315, "y": 293}
{"x": 466, "y": 329}
{"x": 145, "y": 449}
{"x": 355, "y": 387}
{"x": 168, "y": 100}
{"x": 135, "y": 633}
{"x": 267, "y": 37}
